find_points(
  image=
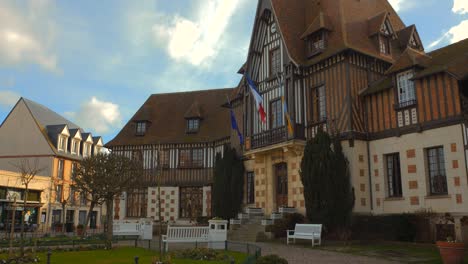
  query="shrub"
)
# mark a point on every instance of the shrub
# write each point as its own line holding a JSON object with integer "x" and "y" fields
{"x": 199, "y": 254}
{"x": 288, "y": 222}
{"x": 398, "y": 227}
{"x": 271, "y": 259}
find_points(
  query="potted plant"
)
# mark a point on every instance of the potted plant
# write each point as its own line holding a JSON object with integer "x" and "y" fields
{"x": 451, "y": 251}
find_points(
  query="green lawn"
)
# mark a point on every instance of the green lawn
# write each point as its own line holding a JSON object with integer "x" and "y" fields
{"x": 400, "y": 252}
{"x": 120, "y": 256}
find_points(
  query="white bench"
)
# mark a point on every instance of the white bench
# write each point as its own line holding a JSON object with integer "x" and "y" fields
{"x": 177, "y": 234}
{"x": 306, "y": 231}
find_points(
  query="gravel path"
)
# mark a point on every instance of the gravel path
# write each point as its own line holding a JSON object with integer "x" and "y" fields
{"x": 300, "y": 255}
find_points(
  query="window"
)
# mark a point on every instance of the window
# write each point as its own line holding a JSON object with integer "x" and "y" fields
{"x": 62, "y": 143}
{"x": 60, "y": 169}
{"x": 34, "y": 196}
{"x": 72, "y": 171}
{"x": 193, "y": 125}
{"x": 83, "y": 199}
{"x": 393, "y": 175}
{"x": 276, "y": 114}
{"x": 140, "y": 128}
{"x": 59, "y": 193}
{"x": 319, "y": 106}
{"x": 197, "y": 158}
{"x": 250, "y": 187}
{"x": 86, "y": 149}
{"x": 137, "y": 203}
{"x": 82, "y": 217}
{"x": 191, "y": 158}
{"x": 275, "y": 62}
{"x": 384, "y": 43}
{"x": 98, "y": 150}
{"x": 72, "y": 195}
{"x": 56, "y": 216}
{"x": 164, "y": 159}
{"x": 437, "y": 176}
{"x": 317, "y": 43}
{"x": 75, "y": 146}
{"x": 406, "y": 93}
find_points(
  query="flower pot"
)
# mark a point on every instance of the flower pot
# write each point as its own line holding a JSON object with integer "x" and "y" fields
{"x": 451, "y": 252}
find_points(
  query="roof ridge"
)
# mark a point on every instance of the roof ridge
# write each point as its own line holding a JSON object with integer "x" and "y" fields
{"x": 195, "y": 91}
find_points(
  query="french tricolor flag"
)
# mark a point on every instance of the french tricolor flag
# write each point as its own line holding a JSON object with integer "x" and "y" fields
{"x": 258, "y": 98}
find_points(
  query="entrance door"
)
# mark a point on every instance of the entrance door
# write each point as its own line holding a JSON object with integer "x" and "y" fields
{"x": 281, "y": 173}
{"x": 69, "y": 220}
{"x": 191, "y": 202}
{"x": 93, "y": 220}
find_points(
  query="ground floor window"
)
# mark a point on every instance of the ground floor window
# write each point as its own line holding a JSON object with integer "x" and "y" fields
{"x": 250, "y": 187}
{"x": 191, "y": 202}
{"x": 137, "y": 203}
{"x": 436, "y": 166}
{"x": 56, "y": 216}
{"x": 82, "y": 217}
{"x": 393, "y": 175}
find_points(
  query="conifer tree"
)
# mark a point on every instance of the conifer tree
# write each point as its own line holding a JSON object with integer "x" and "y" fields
{"x": 326, "y": 179}
{"x": 228, "y": 184}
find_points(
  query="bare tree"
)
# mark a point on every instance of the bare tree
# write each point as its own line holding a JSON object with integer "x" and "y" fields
{"x": 27, "y": 171}
{"x": 105, "y": 176}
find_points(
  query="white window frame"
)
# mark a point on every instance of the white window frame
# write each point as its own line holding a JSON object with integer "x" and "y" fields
{"x": 406, "y": 87}
{"x": 322, "y": 103}
{"x": 62, "y": 143}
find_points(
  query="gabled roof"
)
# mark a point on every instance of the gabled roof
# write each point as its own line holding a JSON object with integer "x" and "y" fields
{"x": 374, "y": 24}
{"x": 452, "y": 59}
{"x": 54, "y": 131}
{"x": 404, "y": 36}
{"x": 168, "y": 123}
{"x": 87, "y": 137}
{"x": 408, "y": 59}
{"x": 320, "y": 22}
{"x": 75, "y": 133}
{"x": 46, "y": 117}
{"x": 194, "y": 111}
{"x": 349, "y": 19}
{"x": 97, "y": 141}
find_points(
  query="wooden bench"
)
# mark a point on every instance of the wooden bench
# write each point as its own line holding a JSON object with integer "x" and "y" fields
{"x": 306, "y": 231}
{"x": 178, "y": 234}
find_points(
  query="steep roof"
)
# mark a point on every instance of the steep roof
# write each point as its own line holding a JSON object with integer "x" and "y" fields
{"x": 46, "y": 117}
{"x": 320, "y": 22}
{"x": 349, "y": 21}
{"x": 452, "y": 59}
{"x": 166, "y": 114}
{"x": 408, "y": 59}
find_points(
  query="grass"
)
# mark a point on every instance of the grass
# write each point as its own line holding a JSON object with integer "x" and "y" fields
{"x": 121, "y": 256}
{"x": 400, "y": 252}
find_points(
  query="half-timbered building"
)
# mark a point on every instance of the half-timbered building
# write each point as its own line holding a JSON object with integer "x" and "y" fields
{"x": 177, "y": 137}
{"x": 353, "y": 68}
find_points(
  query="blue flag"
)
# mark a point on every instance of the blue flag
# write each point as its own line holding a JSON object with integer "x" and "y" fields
{"x": 234, "y": 124}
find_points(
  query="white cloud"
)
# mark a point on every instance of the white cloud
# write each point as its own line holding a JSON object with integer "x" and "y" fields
{"x": 26, "y": 34}
{"x": 402, "y": 5}
{"x": 98, "y": 116}
{"x": 196, "y": 41}
{"x": 460, "y": 6}
{"x": 455, "y": 34}
{"x": 8, "y": 98}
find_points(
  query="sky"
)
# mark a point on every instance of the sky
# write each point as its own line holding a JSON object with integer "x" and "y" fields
{"x": 96, "y": 62}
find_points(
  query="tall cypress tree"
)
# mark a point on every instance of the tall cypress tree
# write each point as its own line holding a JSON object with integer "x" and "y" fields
{"x": 325, "y": 176}
{"x": 228, "y": 184}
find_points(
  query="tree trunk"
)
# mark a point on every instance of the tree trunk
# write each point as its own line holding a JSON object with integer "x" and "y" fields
{"x": 88, "y": 218}
{"x": 25, "y": 198}
{"x": 109, "y": 219}
{"x": 64, "y": 215}
{"x": 12, "y": 230}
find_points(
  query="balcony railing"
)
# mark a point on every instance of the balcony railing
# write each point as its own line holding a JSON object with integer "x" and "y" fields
{"x": 405, "y": 104}
{"x": 180, "y": 177}
{"x": 275, "y": 136}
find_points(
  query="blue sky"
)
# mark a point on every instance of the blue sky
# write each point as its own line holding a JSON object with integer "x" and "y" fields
{"x": 96, "y": 62}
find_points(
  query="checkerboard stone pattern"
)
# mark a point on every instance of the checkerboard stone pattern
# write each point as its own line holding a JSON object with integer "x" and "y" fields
{"x": 169, "y": 203}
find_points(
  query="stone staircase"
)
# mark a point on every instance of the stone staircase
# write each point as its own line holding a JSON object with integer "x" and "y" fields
{"x": 248, "y": 227}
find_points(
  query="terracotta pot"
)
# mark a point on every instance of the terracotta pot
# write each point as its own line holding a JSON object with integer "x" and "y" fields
{"x": 451, "y": 252}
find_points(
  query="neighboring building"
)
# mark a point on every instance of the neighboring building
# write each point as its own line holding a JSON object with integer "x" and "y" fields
{"x": 187, "y": 129}
{"x": 35, "y": 136}
{"x": 354, "y": 68}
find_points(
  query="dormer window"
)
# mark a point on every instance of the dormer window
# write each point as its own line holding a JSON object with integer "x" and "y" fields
{"x": 86, "y": 150}
{"x": 317, "y": 43}
{"x": 193, "y": 125}
{"x": 386, "y": 33}
{"x": 62, "y": 143}
{"x": 75, "y": 146}
{"x": 406, "y": 91}
{"x": 140, "y": 128}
